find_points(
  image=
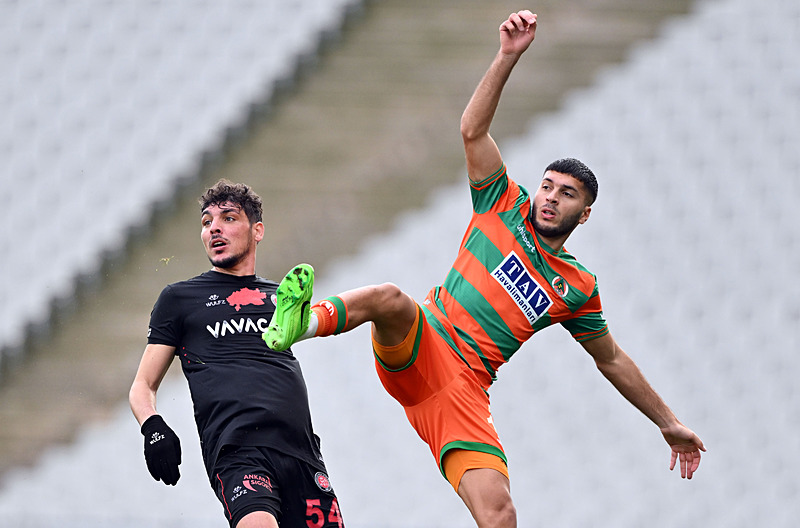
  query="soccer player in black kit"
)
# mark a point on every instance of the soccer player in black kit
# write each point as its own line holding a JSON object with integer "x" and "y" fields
{"x": 250, "y": 402}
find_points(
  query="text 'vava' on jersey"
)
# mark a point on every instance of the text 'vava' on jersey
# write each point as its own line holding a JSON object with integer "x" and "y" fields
{"x": 238, "y": 326}
{"x": 523, "y": 289}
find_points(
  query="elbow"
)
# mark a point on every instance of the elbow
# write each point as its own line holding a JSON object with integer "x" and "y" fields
{"x": 133, "y": 396}
{"x": 470, "y": 131}
{"x": 603, "y": 366}
{"x": 608, "y": 365}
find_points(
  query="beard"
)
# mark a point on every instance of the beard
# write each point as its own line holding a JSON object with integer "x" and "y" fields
{"x": 226, "y": 262}
{"x": 231, "y": 261}
{"x": 565, "y": 227}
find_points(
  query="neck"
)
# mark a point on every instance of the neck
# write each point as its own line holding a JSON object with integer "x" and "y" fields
{"x": 556, "y": 244}
{"x": 244, "y": 267}
{"x": 234, "y": 271}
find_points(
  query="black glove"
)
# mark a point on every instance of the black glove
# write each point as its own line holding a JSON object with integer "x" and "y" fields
{"x": 162, "y": 450}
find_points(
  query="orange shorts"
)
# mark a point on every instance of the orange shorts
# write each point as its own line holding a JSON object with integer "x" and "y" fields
{"x": 441, "y": 395}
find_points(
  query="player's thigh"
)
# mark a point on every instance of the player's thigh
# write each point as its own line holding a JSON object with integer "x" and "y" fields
{"x": 307, "y": 496}
{"x": 245, "y": 483}
{"x": 258, "y": 520}
{"x": 456, "y": 462}
{"x": 487, "y": 494}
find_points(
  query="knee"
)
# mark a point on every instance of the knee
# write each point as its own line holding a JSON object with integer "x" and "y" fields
{"x": 391, "y": 298}
{"x": 507, "y": 515}
{"x": 500, "y": 514}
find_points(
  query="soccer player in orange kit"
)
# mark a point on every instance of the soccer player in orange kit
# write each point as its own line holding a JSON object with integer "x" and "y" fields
{"x": 511, "y": 278}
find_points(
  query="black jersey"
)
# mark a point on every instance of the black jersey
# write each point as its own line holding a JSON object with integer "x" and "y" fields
{"x": 244, "y": 393}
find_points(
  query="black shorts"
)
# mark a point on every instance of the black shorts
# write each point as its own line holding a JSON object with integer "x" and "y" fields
{"x": 255, "y": 479}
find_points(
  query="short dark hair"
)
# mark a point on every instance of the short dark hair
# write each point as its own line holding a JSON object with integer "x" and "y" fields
{"x": 235, "y": 193}
{"x": 578, "y": 170}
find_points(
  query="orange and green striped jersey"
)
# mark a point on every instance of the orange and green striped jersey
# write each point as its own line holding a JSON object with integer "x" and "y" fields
{"x": 506, "y": 284}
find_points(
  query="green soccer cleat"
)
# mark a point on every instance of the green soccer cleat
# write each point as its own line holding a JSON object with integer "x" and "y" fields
{"x": 292, "y": 310}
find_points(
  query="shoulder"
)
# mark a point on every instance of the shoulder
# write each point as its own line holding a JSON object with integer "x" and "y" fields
{"x": 187, "y": 283}
{"x": 188, "y": 288}
{"x": 265, "y": 283}
{"x": 569, "y": 258}
{"x": 578, "y": 274}
{"x": 497, "y": 192}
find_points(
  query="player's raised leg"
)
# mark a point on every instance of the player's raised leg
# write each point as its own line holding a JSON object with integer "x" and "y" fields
{"x": 487, "y": 494}
{"x": 391, "y": 311}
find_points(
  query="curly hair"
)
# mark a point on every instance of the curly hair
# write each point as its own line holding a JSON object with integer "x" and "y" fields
{"x": 236, "y": 193}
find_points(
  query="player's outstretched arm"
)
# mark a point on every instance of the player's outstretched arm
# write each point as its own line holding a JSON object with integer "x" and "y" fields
{"x": 483, "y": 157}
{"x": 626, "y": 377}
{"x": 162, "y": 448}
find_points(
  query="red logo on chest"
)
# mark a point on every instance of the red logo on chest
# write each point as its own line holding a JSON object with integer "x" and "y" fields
{"x": 246, "y": 296}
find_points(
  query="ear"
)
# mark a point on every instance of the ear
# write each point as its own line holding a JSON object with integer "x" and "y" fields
{"x": 258, "y": 231}
{"x": 585, "y": 216}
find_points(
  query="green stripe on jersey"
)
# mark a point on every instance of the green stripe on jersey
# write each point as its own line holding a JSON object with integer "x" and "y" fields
{"x": 466, "y": 338}
{"x": 484, "y": 250}
{"x": 483, "y": 199}
{"x": 483, "y": 312}
{"x": 437, "y": 326}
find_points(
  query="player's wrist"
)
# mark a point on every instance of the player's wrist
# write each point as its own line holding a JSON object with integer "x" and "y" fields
{"x": 153, "y": 422}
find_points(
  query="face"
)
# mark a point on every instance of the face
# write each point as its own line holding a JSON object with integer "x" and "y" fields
{"x": 229, "y": 238}
{"x": 559, "y": 205}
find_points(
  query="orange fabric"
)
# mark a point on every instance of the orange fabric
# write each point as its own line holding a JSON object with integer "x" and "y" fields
{"x": 506, "y": 284}
{"x": 441, "y": 395}
{"x": 398, "y": 356}
{"x": 331, "y": 316}
{"x": 324, "y": 321}
{"x": 458, "y": 461}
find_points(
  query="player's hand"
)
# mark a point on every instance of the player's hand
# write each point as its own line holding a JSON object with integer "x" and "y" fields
{"x": 162, "y": 450}
{"x": 517, "y": 32}
{"x": 686, "y": 446}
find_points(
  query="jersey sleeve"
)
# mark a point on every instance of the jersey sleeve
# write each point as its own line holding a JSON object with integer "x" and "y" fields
{"x": 165, "y": 323}
{"x": 497, "y": 193}
{"x": 588, "y": 321}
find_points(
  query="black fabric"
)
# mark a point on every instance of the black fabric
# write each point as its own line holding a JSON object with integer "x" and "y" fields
{"x": 244, "y": 393}
{"x": 296, "y": 493}
{"x": 162, "y": 450}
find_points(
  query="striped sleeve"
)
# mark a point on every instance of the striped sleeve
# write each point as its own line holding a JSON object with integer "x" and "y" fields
{"x": 588, "y": 322}
{"x": 494, "y": 193}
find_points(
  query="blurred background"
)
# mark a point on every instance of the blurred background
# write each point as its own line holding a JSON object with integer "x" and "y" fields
{"x": 344, "y": 115}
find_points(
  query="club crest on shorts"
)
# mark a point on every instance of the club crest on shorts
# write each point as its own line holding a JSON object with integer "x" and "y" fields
{"x": 322, "y": 481}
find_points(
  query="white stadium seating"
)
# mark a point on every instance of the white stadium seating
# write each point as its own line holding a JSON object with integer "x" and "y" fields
{"x": 96, "y": 95}
{"x": 693, "y": 237}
